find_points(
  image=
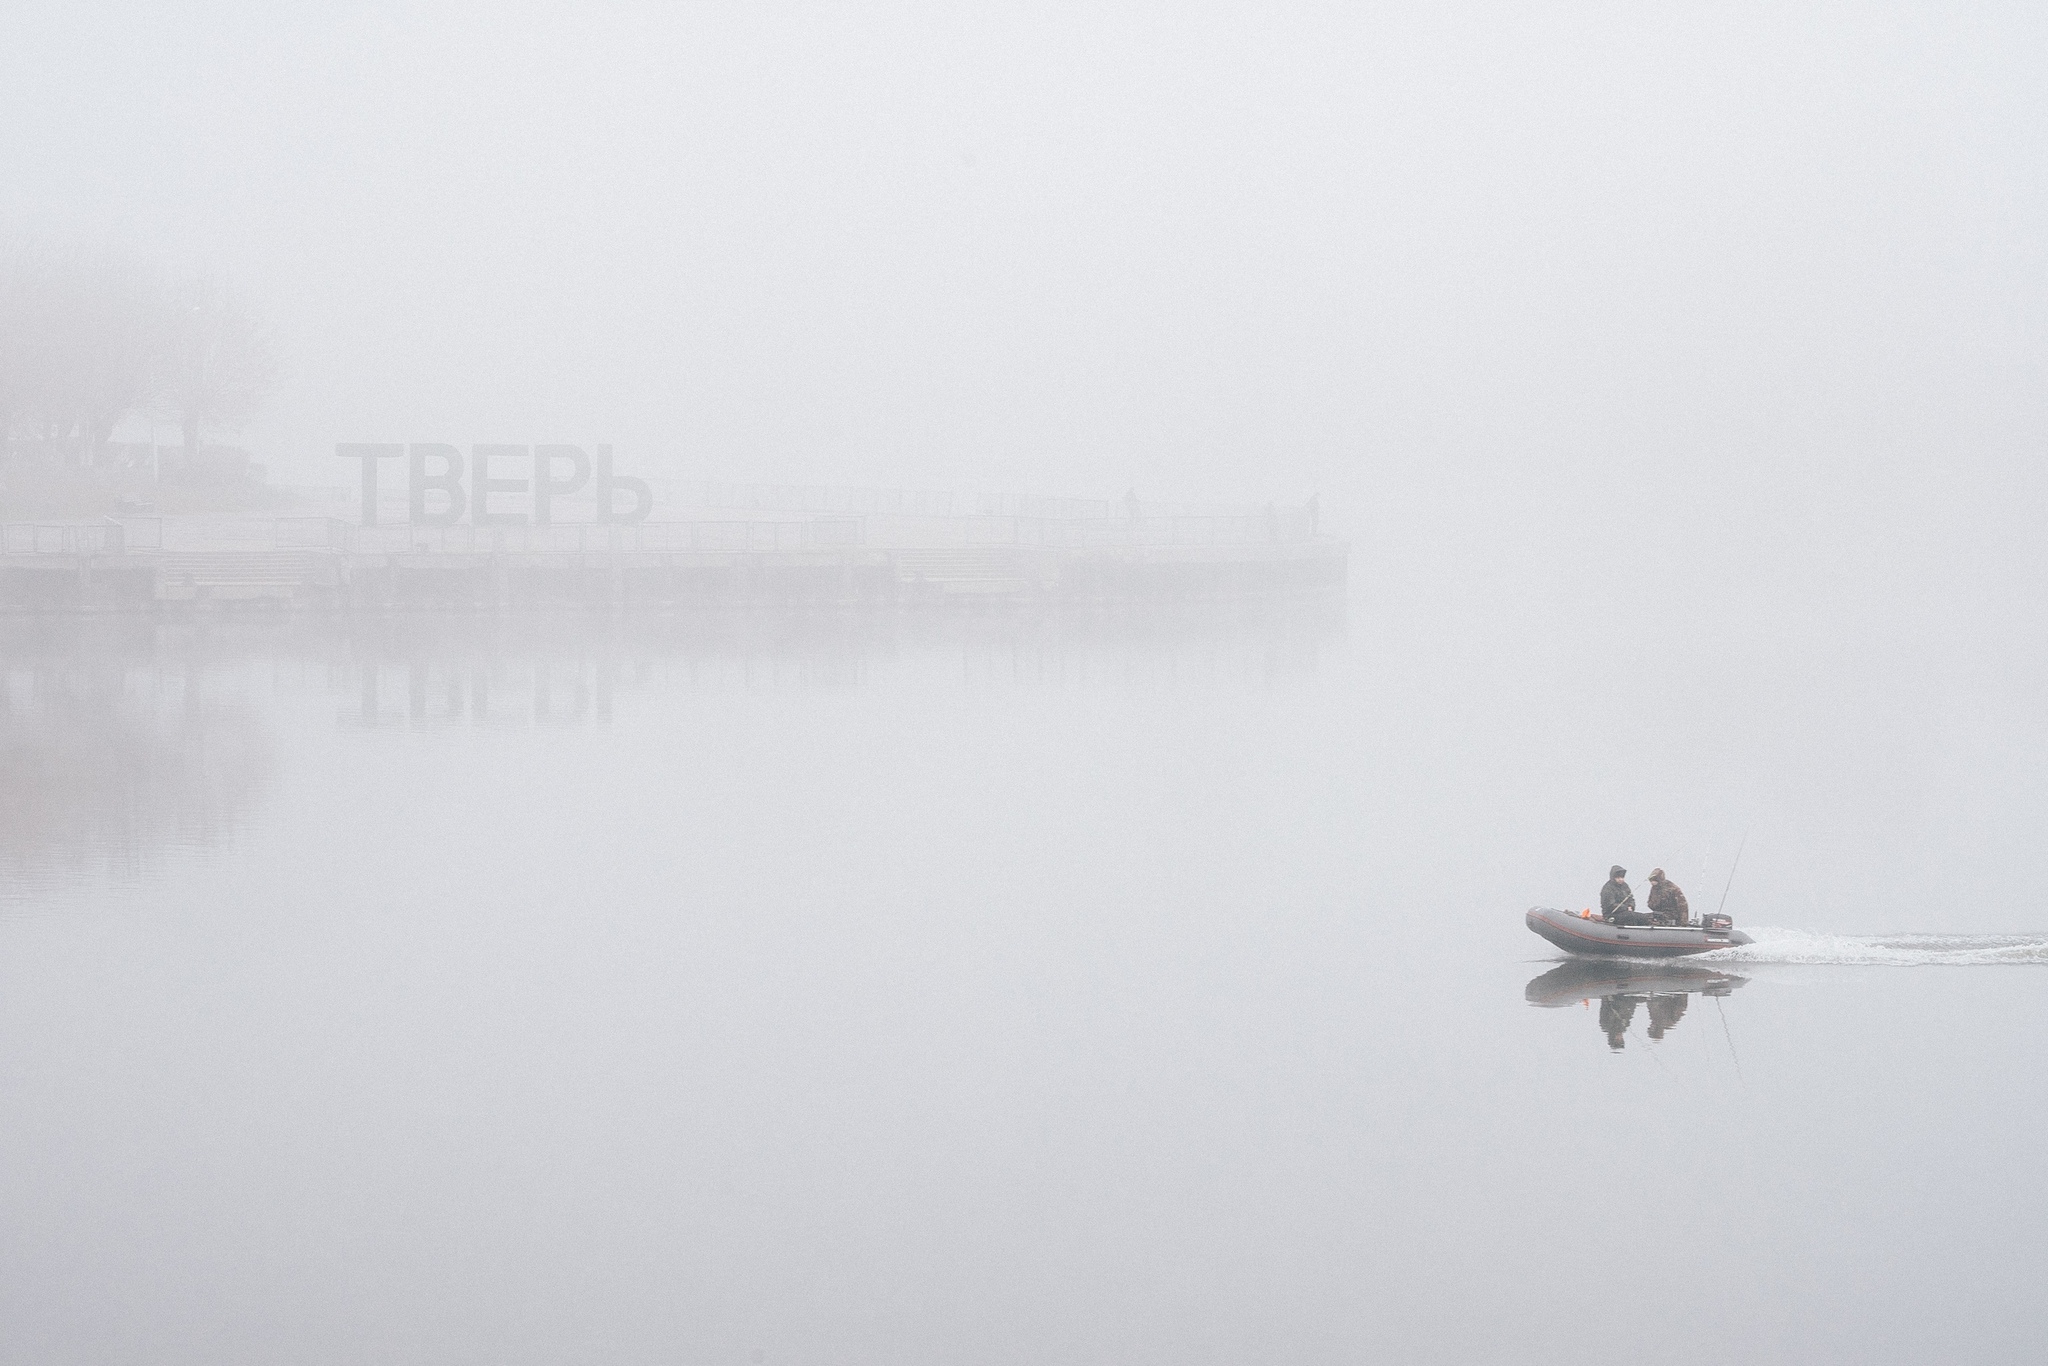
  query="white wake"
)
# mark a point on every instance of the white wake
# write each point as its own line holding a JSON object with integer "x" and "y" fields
{"x": 1885, "y": 950}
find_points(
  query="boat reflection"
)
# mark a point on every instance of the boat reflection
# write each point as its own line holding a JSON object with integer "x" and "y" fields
{"x": 1664, "y": 988}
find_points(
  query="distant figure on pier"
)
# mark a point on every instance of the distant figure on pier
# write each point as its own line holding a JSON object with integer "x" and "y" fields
{"x": 1666, "y": 902}
{"x": 1131, "y": 505}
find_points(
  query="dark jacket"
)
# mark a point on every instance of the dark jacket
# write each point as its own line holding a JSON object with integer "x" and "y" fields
{"x": 1615, "y": 896}
{"x": 1666, "y": 900}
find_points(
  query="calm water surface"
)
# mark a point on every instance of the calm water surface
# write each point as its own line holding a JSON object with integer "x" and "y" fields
{"x": 1152, "y": 990}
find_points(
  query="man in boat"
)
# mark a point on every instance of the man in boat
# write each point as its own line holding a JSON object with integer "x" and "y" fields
{"x": 1617, "y": 901}
{"x": 1667, "y": 902}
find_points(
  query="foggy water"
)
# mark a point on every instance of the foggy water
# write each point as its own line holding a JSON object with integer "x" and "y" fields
{"x": 997, "y": 990}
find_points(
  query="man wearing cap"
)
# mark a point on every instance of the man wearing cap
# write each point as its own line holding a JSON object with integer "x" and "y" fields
{"x": 1617, "y": 902}
{"x": 1667, "y": 903}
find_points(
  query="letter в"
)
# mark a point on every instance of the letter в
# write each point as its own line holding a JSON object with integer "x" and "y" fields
{"x": 449, "y": 481}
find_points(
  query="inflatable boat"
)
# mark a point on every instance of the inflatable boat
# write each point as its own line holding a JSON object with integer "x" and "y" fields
{"x": 1582, "y": 932}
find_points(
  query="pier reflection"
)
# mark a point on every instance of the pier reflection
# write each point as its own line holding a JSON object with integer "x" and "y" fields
{"x": 1661, "y": 990}
{"x": 124, "y": 734}
{"x": 542, "y": 670}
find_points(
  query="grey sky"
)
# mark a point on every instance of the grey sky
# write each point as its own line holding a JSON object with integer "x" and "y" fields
{"x": 1210, "y": 246}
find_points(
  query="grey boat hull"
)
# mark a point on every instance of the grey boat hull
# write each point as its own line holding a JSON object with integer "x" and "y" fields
{"x": 1596, "y": 938}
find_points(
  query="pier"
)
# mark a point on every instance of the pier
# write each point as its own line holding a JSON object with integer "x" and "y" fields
{"x": 890, "y": 559}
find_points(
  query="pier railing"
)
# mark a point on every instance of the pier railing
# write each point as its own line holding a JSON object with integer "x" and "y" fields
{"x": 62, "y": 538}
{"x": 880, "y": 531}
{"x": 873, "y": 502}
{"x": 845, "y": 533}
{"x": 312, "y": 533}
{"x": 816, "y": 534}
{"x": 251, "y": 533}
{"x": 1083, "y": 533}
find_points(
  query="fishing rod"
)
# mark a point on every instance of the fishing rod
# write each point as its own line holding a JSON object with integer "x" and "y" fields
{"x": 1731, "y": 873}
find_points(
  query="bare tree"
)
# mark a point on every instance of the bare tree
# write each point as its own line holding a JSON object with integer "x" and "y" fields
{"x": 216, "y": 363}
{"x": 110, "y": 357}
{"x": 88, "y": 338}
{"x": 79, "y": 336}
{"x": 18, "y": 332}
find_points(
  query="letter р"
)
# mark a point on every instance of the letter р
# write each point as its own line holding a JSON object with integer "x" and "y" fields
{"x": 547, "y": 488}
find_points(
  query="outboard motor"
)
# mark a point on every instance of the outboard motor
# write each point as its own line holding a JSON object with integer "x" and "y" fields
{"x": 1717, "y": 923}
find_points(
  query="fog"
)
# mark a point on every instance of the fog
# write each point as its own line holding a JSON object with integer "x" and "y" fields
{"x": 1129, "y": 977}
